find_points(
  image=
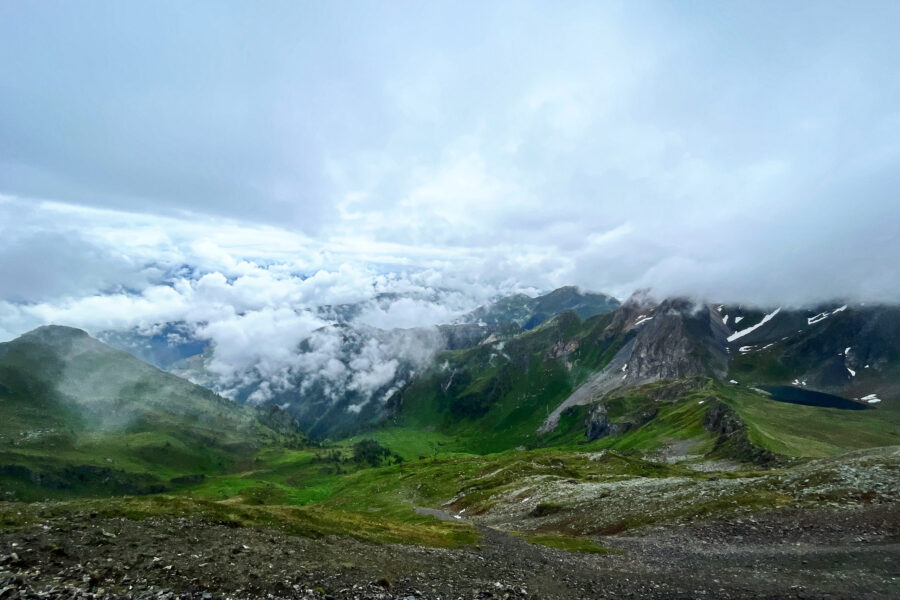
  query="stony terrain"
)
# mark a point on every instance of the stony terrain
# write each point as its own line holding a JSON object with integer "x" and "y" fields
{"x": 787, "y": 553}
{"x": 602, "y": 505}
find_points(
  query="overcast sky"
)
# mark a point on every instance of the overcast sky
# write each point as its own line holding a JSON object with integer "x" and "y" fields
{"x": 205, "y": 161}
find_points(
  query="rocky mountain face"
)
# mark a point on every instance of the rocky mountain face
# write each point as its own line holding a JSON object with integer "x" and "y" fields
{"x": 848, "y": 350}
{"x": 673, "y": 339}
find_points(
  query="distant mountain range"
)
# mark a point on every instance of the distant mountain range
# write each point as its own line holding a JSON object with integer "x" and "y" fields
{"x": 851, "y": 351}
{"x": 79, "y": 416}
{"x": 591, "y": 342}
{"x": 528, "y": 312}
{"x": 546, "y": 385}
{"x": 327, "y": 401}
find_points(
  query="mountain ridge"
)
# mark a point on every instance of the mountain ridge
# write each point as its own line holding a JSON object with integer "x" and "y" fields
{"x": 76, "y": 414}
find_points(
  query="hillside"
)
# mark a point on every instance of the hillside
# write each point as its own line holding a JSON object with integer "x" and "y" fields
{"x": 641, "y": 377}
{"x": 849, "y": 350}
{"x": 337, "y": 380}
{"x": 78, "y": 416}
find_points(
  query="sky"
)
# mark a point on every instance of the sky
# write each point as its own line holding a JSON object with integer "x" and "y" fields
{"x": 239, "y": 165}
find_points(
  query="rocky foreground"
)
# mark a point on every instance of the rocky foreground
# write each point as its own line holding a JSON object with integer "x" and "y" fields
{"x": 785, "y": 553}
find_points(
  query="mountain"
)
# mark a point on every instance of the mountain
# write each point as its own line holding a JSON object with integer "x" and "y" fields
{"x": 516, "y": 391}
{"x": 651, "y": 372}
{"x": 340, "y": 376}
{"x": 670, "y": 340}
{"x": 528, "y": 312}
{"x": 502, "y": 440}
{"x": 347, "y": 378}
{"x": 849, "y": 350}
{"x": 78, "y": 415}
{"x": 163, "y": 346}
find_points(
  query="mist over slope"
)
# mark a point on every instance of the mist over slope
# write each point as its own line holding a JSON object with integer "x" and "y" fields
{"x": 340, "y": 375}
{"x": 79, "y": 416}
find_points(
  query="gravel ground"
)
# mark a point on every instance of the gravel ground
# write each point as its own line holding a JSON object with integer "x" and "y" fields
{"x": 787, "y": 553}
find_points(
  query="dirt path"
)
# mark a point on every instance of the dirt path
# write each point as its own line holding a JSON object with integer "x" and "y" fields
{"x": 780, "y": 554}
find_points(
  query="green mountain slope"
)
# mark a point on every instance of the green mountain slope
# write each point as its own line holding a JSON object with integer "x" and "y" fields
{"x": 77, "y": 416}
{"x": 660, "y": 368}
{"x": 497, "y": 394}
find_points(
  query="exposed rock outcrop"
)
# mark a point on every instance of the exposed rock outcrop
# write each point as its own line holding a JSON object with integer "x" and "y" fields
{"x": 732, "y": 441}
{"x": 675, "y": 339}
{"x": 599, "y": 425}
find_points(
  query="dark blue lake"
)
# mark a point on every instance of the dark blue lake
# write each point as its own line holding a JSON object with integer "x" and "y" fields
{"x": 795, "y": 395}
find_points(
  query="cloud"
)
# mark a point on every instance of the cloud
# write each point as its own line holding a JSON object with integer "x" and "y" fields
{"x": 407, "y": 313}
{"x": 50, "y": 264}
{"x": 392, "y": 168}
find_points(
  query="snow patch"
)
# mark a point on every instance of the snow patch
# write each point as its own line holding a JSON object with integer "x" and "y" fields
{"x": 852, "y": 372}
{"x": 744, "y": 332}
{"x": 725, "y": 319}
{"x": 738, "y": 320}
{"x": 871, "y": 398}
{"x": 732, "y": 381}
{"x": 642, "y": 320}
{"x": 824, "y": 315}
{"x": 817, "y": 318}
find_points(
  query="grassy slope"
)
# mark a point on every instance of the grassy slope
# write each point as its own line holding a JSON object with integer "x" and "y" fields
{"x": 788, "y": 429}
{"x": 810, "y": 431}
{"x": 493, "y": 397}
{"x": 307, "y": 492}
{"x": 77, "y": 417}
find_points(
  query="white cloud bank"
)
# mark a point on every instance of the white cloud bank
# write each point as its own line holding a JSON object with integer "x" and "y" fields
{"x": 421, "y": 162}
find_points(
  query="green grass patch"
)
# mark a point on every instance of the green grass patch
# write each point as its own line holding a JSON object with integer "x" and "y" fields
{"x": 311, "y": 521}
{"x": 812, "y": 431}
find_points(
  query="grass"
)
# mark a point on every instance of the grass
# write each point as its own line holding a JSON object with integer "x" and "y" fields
{"x": 413, "y": 443}
{"x": 311, "y": 521}
{"x": 78, "y": 418}
{"x": 811, "y": 431}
